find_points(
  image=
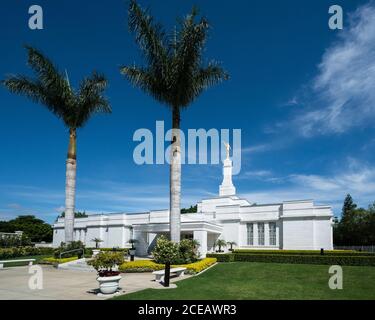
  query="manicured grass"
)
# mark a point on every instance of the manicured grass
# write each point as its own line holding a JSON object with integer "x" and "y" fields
{"x": 248, "y": 281}
{"x": 19, "y": 264}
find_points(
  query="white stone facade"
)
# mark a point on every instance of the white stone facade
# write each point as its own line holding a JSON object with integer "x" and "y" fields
{"x": 294, "y": 225}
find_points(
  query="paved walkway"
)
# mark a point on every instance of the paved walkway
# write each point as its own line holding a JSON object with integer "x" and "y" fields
{"x": 66, "y": 284}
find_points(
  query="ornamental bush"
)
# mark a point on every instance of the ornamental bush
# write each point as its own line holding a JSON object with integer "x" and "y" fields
{"x": 74, "y": 245}
{"x": 226, "y": 257}
{"x": 105, "y": 262}
{"x": 55, "y": 261}
{"x": 10, "y": 253}
{"x": 199, "y": 266}
{"x": 355, "y": 260}
{"x": 141, "y": 266}
{"x": 304, "y": 252}
{"x": 149, "y": 266}
{"x": 168, "y": 251}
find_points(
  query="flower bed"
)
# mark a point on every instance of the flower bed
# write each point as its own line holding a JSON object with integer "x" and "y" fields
{"x": 149, "y": 266}
{"x": 55, "y": 261}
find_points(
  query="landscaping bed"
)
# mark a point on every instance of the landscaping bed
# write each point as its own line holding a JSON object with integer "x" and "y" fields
{"x": 23, "y": 252}
{"x": 150, "y": 266}
{"x": 299, "y": 257}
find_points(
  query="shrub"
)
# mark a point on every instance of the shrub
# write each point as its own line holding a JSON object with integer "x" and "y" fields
{"x": 182, "y": 253}
{"x": 114, "y": 250}
{"x": 141, "y": 266}
{"x": 166, "y": 251}
{"x": 55, "y": 261}
{"x": 149, "y": 266}
{"x": 104, "y": 262}
{"x": 308, "y": 259}
{"x": 10, "y": 253}
{"x": 199, "y": 266}
{"x": 304, "y": 252}
{"x": 74, "y": 245}
{"x": 225, "y": 257}
{"x": 356, "y": 260}
{"x": 188, "y": 251}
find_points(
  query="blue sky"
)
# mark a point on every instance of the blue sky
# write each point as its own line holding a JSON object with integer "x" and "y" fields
{"x": 303, "y": 95}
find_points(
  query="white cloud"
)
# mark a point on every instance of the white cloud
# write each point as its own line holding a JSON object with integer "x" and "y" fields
{"x": 343, "y": 94}
{"x": 356, "y": 178}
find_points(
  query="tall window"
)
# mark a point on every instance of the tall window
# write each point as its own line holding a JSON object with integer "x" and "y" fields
{"x": 261, "y": 234}
{"x": 250, "y": 234}
{"x": 272, "y": 227}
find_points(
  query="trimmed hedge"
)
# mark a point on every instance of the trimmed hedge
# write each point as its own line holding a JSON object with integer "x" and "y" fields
{"x": 199, "y": 266}
{"x": 125, "y": 250}
{"x": 55, "y": 261}
{"x": 140, "y": 266}
{"x": 299, "y": 259}
{"x": 150, "y": 266}
{"x": 304, "y": 252}
{"x": 222, "y": 257}
{"x": 10, "y": 253}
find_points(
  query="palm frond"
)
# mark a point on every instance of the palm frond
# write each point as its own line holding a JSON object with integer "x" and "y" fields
{"x": 174, "y": 73}
{"x": 26, "y": 86}
{"x": 149, "y": 35}
{"x": 211, "y": 75}
{"x": 53, "y": 90}
{"x": 90, "y": 99}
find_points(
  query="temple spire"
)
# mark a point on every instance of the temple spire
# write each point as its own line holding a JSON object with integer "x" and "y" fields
{"x": 227, "y": 188}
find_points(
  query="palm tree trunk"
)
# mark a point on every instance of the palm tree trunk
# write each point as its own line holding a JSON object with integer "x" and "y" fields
{"x": 175, "y": 178}
{"x": 70, "y": 187}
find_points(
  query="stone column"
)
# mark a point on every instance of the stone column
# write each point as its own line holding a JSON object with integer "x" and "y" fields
{"x": 266, "y": 234}
{"x": 201, "y": 237}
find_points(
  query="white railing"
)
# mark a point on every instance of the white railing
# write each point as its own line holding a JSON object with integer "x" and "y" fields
{"x": 17, "y": 234}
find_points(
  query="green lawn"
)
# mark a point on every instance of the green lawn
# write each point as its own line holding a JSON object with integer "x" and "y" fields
{"x": 248, "y": 281}
{"x": 18, "y": 264}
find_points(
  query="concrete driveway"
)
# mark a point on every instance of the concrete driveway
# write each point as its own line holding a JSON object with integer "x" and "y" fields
{"x": 66, "y": 284}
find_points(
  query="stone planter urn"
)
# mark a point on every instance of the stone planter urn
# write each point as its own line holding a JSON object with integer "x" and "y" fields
{"x": 109, "y": 285}
{"x": 95, "y": 252}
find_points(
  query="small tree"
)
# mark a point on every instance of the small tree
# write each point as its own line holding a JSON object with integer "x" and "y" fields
{"x": 166, "y": 252}
{"x": 221, "y": 244}
{"x": 97, "y": 242}
{"x": 104, "y": 262}
{"x": 231, "y": 244}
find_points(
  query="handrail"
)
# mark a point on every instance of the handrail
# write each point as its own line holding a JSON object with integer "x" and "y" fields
{"x": 83, "y": 252}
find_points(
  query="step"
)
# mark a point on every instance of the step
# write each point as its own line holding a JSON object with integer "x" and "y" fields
{"x": 78, "y": 265}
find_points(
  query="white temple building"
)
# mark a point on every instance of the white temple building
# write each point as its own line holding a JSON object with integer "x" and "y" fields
{"x": 290, "y": 225}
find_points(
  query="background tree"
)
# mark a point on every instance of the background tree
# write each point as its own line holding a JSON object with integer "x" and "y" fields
{"x": 35, "y": 229}
{"x": 74, "y": 107}
{"x": 192, "y": 209}
{"x": 77, "y": 215}
{"x": 174, "y": 74}
{"x": 348, "y": 209}
{"x": 357, "y": 225}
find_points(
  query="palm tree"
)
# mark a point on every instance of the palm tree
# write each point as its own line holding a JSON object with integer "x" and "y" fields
{"x": 174, "y": 75}
{"x": 231, "y": 244}
{"x": 221, "y": 244}
{"x": 97, "y": 242}
{"x": 73, "y": 107}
